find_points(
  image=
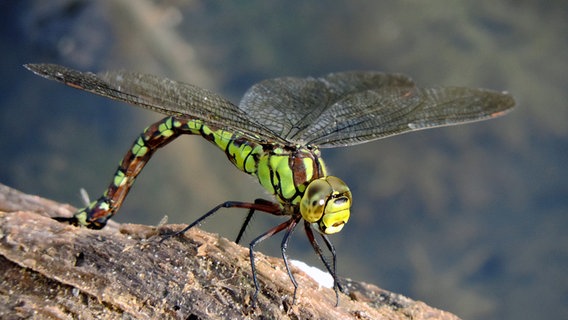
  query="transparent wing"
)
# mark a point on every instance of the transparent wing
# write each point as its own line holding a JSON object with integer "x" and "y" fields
{"x": 348, "y": 108}
{"x": 159, "y": 94}
{"x": 339, "y": 109}
{"x": 375, "y": 114}
{"x": 290, "y": 107}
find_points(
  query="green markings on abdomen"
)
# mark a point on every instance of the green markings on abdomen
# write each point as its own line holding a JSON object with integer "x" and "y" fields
{"x": 283, "y": 172}
{"x": 243, "y": 153}
{"x": 139, "y": 148}
{"x": 119, "y": 178}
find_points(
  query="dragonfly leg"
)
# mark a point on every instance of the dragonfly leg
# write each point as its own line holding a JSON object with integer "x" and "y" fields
{"x": 283, "y": 248}
{"x": 331, "y": 249}
{"x": 244, "y": 225}
{"x": 265, "y": 206}
{"x": 331, "y": 269}
{"x": 249, "y": 217}
{"x": 154, "y": 137}
{"x": 290, "y": 224}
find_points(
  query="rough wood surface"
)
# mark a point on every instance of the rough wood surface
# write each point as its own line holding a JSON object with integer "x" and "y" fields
{"x": 53, "y": 270}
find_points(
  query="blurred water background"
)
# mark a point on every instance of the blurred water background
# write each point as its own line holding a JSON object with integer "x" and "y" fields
{"x": 471, "y": 219}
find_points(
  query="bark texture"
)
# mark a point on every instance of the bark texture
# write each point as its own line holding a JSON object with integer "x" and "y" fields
{"x": 53, "y": 270}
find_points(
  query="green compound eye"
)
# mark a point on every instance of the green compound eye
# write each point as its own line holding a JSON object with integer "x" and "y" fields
{"x": 326, "y": 204}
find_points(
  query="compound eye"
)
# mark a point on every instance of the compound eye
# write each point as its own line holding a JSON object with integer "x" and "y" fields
{"x": 340, "y": 189}
{"x": 337, "y": 209}
{"x": 315, "y": 197}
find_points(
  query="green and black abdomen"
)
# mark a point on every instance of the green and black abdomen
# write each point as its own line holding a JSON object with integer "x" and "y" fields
{"x": 284, "y": 172}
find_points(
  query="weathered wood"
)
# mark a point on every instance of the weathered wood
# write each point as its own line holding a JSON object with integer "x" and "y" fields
{"x": 53, "y": 270}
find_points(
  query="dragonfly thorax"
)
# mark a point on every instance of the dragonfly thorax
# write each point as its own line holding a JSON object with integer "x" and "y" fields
{"x": 297, "y": 177}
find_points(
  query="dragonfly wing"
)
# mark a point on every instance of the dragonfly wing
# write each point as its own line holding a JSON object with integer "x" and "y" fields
{"x": 158, "y": 94}
{"x": 339, "y": 109}
{"x": 373, "y": 114}
{"x": 289, "y": 107}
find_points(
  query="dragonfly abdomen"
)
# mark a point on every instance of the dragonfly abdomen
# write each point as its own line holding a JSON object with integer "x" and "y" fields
{"x": 284, "y": 172}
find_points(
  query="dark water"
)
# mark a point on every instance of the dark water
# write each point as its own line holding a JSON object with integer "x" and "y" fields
{"x": 470, "y": 219}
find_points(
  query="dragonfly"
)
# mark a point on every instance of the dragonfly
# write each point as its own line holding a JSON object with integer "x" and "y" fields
{"x": 275, "y": 134}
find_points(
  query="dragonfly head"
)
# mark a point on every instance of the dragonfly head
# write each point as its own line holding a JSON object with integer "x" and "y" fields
{"x": 326, "y": 204}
